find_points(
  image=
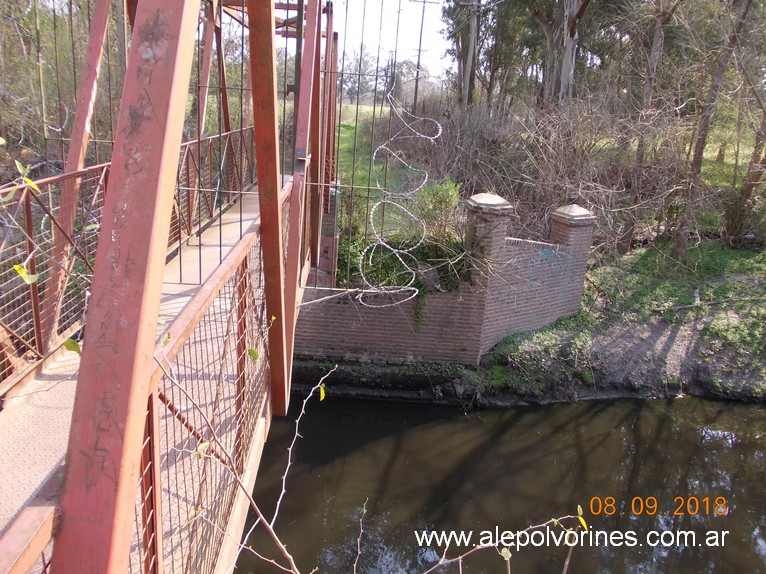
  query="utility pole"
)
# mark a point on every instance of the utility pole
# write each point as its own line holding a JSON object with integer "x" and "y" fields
{"x": 474, "y": 7}
{"x": 417, "y": 67}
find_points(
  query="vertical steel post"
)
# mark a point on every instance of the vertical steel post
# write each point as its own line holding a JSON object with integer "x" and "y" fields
{"x": 243, "y": 290}
{"x": 328, "y": 106}
{"x": 151, "y": 497}
{"x": 109, "y": 415}
{"x": 86, "y": 103}
{"x": 260, "y": 15}
{"x": 316, "y": 169}
{"x": 334, "y": 123}
{"x": 298, "y": 197}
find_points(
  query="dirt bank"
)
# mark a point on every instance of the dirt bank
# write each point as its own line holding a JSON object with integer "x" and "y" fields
{"x": 656, "y": 359}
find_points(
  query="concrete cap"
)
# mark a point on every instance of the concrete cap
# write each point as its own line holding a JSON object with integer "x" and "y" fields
{"x": 489, "y": 202}
{"x": 573, "y": 215}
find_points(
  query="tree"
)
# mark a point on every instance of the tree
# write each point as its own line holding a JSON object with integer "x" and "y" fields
{"x": 399, "y": 79}
{"x": 285, "y": 71}
{"x": 559, "y": 24}
{"x": 662, "y": 16}
{"x": 703, "y": 129}
{"x": 359, "y": 76}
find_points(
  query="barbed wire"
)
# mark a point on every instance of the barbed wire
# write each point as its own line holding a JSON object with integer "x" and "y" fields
{"x": 392, "y": 200}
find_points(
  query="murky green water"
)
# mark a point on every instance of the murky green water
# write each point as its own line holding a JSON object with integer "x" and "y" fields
{"x": 424, "y": 468}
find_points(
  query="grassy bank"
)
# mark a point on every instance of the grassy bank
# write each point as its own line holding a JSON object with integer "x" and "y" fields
{"x": 650, "y": 324}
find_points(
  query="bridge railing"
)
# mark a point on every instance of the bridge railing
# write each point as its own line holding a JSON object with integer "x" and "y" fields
{"x": 29, "y": 223}
{"x": 207, "y": 417}
{"x": 211, "y": 173}
{"x": 210, "y": 397}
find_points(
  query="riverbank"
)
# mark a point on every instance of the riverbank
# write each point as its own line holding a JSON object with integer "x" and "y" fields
{"x": 647, "y": 328}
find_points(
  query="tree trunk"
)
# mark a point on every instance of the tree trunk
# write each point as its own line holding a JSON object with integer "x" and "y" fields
{"x": 737, "y": 205}
{"x": 682, "y": 233}
{"x": 661, "y": 19}
{"x": 561, "y": 48}
{"x": 566, "y": 83}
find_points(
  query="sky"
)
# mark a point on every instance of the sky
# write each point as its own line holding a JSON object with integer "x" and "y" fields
{"x": 364, "y": 21}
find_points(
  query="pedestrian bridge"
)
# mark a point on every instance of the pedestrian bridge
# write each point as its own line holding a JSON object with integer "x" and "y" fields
{"x": 151, "y": 300}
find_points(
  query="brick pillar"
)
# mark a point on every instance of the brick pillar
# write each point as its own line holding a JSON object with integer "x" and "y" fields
{"x": 572, "y": 226}
{"x": 487, "y": 225}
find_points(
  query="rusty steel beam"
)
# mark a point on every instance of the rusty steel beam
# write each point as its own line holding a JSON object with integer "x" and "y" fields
{"x": 260, "y": 17}
{"x": 247, "y": 116}
{"x": 298, "y": 197}
{"x": 78, "y": 145}
{"x": 330, "y": 126}
{"x": 130, "y": 7}
{"x": 151, "y": 489}
{"x": 315, "y": 204}
{"x": 222, "y": 81}
{"x": 328, "y": 102}
{"x": 109, "y": 415}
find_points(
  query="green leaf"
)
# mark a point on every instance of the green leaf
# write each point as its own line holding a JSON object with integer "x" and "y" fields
{"x": 202, "y": 449}
{"x": 505, "y": 553}
{"x": 72, "y": 345}
{"x": 32, "y": 184}
{"x": 166, "y": 339}
{"x": 91, "y": 227}
{"x": 8, "y": 196}
{"x": 20, "y": 168}
{"x": 582, "y": 521}
{"x": 253, "y": 353}
{"x": 579, "y": 510}
{"x": 321, "y": 392}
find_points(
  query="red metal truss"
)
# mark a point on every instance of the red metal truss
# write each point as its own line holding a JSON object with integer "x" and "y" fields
{"x": 301, "y": 160}
{"x": 260, "y": 17}
{"x": 86, "y": 101}
{"x": 110, "y": 410}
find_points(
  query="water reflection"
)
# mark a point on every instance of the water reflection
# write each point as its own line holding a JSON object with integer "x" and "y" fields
{"x": 430, "y": 468}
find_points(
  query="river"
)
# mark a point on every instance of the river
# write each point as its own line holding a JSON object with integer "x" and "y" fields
{"x": 646, "y": 474}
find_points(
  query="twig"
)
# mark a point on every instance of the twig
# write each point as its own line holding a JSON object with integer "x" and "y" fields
{"x": 566, "y": 562}
{"x": 706, "y": 304}
{"x": 297, "y": 434}
{"x": 232, "y": 467}
{"x": 361, "y": 532}
{"x": 444, "y": 561}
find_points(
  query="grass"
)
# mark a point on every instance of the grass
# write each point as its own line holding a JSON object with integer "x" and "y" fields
{"x": 359, "y": 192}
{"x": 731, "y": 286}
{"x": 647, "y": 281}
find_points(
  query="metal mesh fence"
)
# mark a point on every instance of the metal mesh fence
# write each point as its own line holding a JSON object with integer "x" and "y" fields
{"x": 33, "y": 317}
{"x": 213, "y": 391}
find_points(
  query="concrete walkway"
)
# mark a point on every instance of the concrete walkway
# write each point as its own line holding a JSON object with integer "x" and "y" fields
{"x": 34, "y": 423}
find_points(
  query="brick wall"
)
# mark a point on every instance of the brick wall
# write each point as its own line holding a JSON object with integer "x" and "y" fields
{"x": 521, "y": 286}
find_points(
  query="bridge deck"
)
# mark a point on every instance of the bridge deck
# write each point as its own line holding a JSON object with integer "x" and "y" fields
{"x": 35, "y": 420}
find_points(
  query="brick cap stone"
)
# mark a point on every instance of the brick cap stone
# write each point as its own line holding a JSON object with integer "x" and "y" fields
{"x": 573, "y": 215}
{"x": 489, "y": 203}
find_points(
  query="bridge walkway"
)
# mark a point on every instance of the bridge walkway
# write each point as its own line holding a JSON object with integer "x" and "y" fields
{"x": 36, "y": 416}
